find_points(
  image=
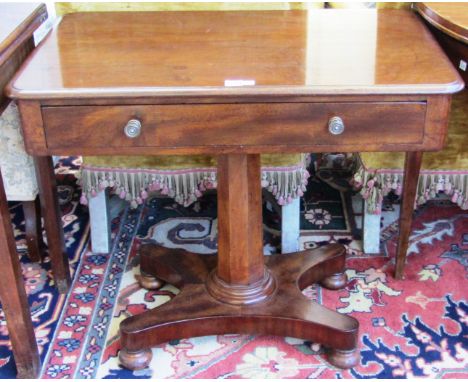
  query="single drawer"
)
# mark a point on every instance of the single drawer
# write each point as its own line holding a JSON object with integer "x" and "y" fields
{"x": 235, "y": 125}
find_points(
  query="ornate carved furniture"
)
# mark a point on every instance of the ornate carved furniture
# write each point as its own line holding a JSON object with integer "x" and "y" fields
{"x": 17, "y": 25}
{"x": 445, "y": 171}
{"x": 309, "y": 81}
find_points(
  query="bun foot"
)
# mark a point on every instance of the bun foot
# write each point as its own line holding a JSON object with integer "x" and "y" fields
{"x": 135, "y": 360}
{"x": 149, "y": 282}
{"x": 344, "y": 359}
{"x": 336, "y": 281}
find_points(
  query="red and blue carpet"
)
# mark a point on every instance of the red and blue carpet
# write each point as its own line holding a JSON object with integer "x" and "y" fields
{"x": 412, "y": 328}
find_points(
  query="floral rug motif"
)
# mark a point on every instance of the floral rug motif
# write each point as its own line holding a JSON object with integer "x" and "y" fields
{"x": 412, "y": 328}
{"x": 44, "y": 301}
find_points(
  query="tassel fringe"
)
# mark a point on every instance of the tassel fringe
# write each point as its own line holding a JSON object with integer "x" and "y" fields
{"x": 375, "y": 184}
{"x": 184, "y": 186}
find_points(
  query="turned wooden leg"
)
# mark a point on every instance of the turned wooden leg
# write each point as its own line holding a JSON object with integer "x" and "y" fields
{"x": 344, "y": 359}
{"x": 53, "y": 222}
{"x": 33, "y": 228}
{"x": 136, "y": 360}
{"x": 14, "y": 299}
{"x": 335, "y": 281}
{"x": 410, "y": 183}
{"x": 149, "y": 282}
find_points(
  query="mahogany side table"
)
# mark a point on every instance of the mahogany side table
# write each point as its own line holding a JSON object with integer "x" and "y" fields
{"x": 236, "y": 85}
{"x": 17, "y": 25}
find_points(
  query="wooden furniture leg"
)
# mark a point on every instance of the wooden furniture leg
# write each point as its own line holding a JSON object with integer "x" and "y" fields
{"x": 235, "y": 291}
{"x": 410, "y": 181}
{"x": 53, "y": 222}
{"x": 14, "y": 299}
{"x": 33, "y": 228}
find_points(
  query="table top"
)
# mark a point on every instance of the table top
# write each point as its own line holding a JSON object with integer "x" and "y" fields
{"x": 18, "y": 21}
{"x": 450, "y": 18}
{"x": 117, "y": 54}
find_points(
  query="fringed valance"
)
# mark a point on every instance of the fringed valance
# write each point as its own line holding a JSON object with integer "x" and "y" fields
{"x": 374, "y": 184}
{"x": 184, "y": 185}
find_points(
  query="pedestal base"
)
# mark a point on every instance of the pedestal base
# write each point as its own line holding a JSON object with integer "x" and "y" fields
{"x": 285, "y": 312}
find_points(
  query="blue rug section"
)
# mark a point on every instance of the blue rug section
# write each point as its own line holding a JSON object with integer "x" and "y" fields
{"x": 42, "y": 295}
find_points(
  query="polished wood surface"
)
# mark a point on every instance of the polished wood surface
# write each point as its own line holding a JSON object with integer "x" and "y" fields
{"x": 450, "y": 18}
{"x": 18, "y": 21}
{"x": 14, "y": 299}
{"x": 240, "y": 216}
{"x": 292, "y": 126}
{"x": 256, "y": 126}
{"x": 53, "y": 222}
{"x": 240, "y": 279}
{"x": 206, "y": 53}
{"x": 449, "y": 24}
{"x": 410, "y": 180}
{"x": 33, "y": 228}
{"x": 17, "y": 24}
{"x": 380, "y": 71}
{"x": 193, "y": 312}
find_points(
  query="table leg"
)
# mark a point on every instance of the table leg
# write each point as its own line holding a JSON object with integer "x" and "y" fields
{"x": 33, "y": 228}
{"x": 235, "y": 291}
{"x": 53, "y": 222}
{"x": 14, "y": 299}
{"x": 410, "y": 183}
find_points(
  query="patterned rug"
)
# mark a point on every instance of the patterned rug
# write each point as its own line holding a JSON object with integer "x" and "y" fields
{"x": 44, "y": 301}
{"x": 412, "y": 328}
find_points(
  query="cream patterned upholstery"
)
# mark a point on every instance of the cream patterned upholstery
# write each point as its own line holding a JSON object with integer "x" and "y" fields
{"x": 19, "y": 176}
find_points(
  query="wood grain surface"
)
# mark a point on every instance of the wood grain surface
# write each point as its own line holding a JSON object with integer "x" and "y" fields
{"x": 18, "y": 21}
{"x": 254, "y": 124}
{"x": 17, "y": 24}
{"x": 450, "y": 18}
{"x": 115, "y": 54}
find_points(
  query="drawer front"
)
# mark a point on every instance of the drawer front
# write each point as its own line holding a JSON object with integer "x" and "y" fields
{"x": 235, "y": 125}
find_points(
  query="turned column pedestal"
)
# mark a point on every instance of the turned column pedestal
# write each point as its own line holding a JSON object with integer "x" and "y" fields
{"x": 239, "y": 290}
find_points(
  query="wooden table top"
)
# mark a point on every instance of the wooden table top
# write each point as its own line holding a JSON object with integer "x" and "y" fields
{"x": 450, "y": 18}
{"x": 117, "y": 54}
{"x": 18, "y": 21}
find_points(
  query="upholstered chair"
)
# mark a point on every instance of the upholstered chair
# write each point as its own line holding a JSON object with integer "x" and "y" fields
{"x": 442, "y": 173}
{"x": 19, "y": 178}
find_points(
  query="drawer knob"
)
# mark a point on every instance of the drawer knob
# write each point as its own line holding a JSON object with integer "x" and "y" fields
{"x": 336, "y": 125}
{"x": 133, "y": 128}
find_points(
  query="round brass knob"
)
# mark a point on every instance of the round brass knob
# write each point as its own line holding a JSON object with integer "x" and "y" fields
{"x": 336, "y": 125}
{"x": 133, "y": 128}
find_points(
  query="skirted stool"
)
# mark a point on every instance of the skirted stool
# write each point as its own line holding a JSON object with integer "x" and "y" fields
{"x": 185, "y": 179}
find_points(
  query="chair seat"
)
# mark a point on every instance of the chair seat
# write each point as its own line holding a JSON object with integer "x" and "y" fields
{"x": 18, "y": 172}
{"x": 445, "y": 171}
{"x": 184, "y": 178}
